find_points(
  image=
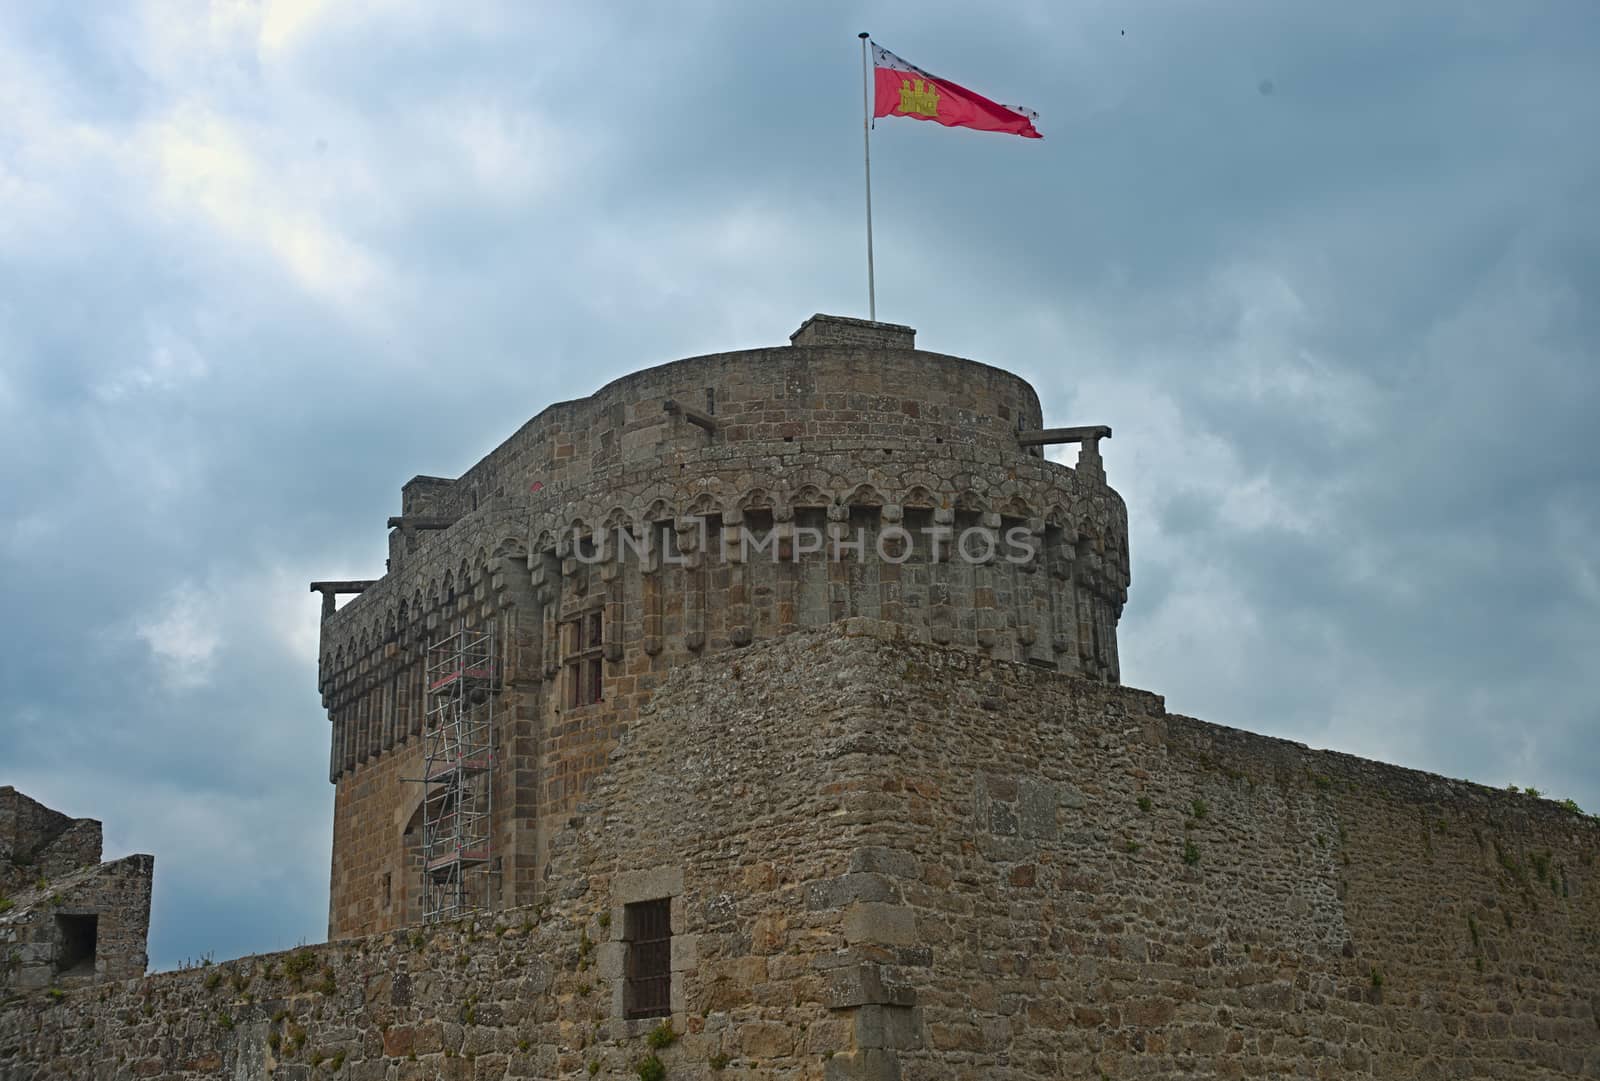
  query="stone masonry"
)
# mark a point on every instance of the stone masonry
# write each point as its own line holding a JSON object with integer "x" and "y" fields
{"x": 65, "y": 917}
{"x": 891, "y": 859}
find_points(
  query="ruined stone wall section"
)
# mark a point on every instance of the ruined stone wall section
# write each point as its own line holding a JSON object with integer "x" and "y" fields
{"x": 26, "y": 825}
{"x": 116, "y": 894}
{"x": 36, "y": 841}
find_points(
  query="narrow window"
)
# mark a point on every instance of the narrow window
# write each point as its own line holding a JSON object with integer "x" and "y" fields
{"x": 76, "y": 938}
{"x": 582, "y": 640}
{"x": 647, "y": 930}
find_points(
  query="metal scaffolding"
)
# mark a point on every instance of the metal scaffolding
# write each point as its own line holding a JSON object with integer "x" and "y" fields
{"x": 458, "y": 775}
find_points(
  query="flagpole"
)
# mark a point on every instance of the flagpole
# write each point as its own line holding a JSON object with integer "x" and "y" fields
{"x": 866, "y": 144}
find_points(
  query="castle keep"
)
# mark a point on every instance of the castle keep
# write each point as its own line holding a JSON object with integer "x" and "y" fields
{"x": 678, "y": 512}
{"x": 758, "y": 718}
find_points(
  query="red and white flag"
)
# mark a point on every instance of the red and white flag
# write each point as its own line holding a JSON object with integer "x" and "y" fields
{"x": 904, "y": 89}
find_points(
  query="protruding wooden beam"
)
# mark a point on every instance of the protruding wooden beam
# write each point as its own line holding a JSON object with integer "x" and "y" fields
{"x": 353, "y": 586}
{"x": 1082, "y": 434}
{"x": 331, "y": 590}
{"x": 415, "y": 521}
{"x": 690, "y": 414}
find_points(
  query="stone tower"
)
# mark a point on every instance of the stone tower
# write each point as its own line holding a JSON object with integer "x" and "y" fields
{"x": 685, "y": 510}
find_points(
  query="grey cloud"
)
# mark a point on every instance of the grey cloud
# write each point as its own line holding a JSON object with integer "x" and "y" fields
{"x": 251, "y": 287}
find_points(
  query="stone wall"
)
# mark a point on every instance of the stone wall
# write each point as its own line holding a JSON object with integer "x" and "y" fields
{"x": 26, "y": 824}
{"x": 892, "y": 860}
{"x": 36, "y": 841}
{"x": 1088, "y": 886}
{"x": 712, "y": 801}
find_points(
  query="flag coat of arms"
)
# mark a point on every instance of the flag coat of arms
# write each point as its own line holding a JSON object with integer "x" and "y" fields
{"x": 902, "y": 89}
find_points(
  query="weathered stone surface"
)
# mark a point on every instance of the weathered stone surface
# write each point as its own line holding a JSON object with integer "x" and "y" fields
{"x": 857, "y": 886}
{"x": 880, "y": 924}
{"x": 864, "y": 985}
{"x": 824, "y": 330}
{"x": 876, "y": 859}
{"x": 66, "y": 918}
{"x": 1322, "y": 932}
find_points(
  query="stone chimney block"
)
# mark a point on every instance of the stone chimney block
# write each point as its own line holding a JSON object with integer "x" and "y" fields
{"x": 826, "y": 330}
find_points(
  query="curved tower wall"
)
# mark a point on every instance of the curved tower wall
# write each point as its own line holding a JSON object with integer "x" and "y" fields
{"x": 691, "y": 508}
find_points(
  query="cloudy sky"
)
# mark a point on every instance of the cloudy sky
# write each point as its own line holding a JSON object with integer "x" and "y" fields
{"x": 1323, "y": 267}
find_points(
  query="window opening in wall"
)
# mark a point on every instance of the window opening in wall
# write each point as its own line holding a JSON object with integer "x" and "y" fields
{"x": 585, "y": 639}
{"x": 647, "y": 930}
{"x": 411, "y": 844}
{"x": 77, "y": 937}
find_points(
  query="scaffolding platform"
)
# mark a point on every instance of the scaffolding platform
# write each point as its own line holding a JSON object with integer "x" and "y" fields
{"x": 460, "y": 674}
{"x": 458, "y": 775}
{"x": 440, "y": 771}
{"x": 445, "y": 865}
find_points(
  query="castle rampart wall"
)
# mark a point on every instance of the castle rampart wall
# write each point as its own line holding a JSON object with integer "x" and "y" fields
{"x": 889, "y": 859}
{"x": 1090, "y": 886}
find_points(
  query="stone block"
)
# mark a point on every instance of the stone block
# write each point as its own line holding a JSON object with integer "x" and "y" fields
{"x": 767, "y": 934}
{"x": 685, "y": 954}
{"x": 849, "y": 888}
{"x": 650, "y": 884}
{"x": 892, "y": 1027}
{"x": 880, "y": 924}
{"x": 1037, "y": 804}
{"x": 610, "y": 959}
{"x": 864, "y": 985}
{"x": 838, "y": 330}
{"x": 885, "y": 861}
{"x": 866, "y": 1064}
{"x": 766, "y": 1039}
